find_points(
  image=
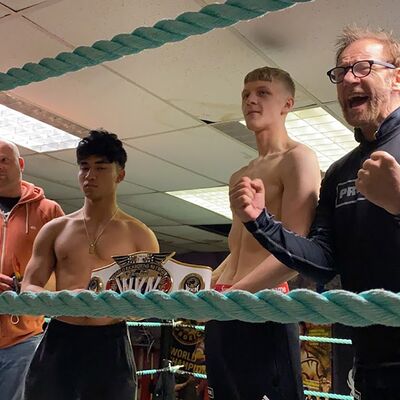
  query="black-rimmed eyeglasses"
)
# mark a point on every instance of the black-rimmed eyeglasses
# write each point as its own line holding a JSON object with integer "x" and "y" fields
{"x": 359, "y": 69}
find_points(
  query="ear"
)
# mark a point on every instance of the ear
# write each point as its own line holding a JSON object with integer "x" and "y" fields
{"x": 396, "y": 80}
{"x": 121, "y": 175}
{"x": 289, "y": 103}
{"x": 21, "y": 163}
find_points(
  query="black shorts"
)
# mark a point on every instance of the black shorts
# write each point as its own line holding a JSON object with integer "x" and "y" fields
{"x": 253, "y": 361}
{"x": 82, "y": 362}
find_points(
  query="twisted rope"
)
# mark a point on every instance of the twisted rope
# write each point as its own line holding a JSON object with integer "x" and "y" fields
{"x": 320, "y": 339}
{"x": 165, "y": 31}
{"x": 324, "y": 395}
{"x": 371, "y": 307}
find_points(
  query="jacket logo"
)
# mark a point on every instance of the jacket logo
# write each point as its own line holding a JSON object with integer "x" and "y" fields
{"x": 346, "y": 193}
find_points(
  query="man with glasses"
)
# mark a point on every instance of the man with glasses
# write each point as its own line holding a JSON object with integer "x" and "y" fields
{"x": 356, "y": 230}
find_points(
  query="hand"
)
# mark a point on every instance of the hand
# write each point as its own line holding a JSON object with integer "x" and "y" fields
{"x": 6, "y": 283}
{"x": 247, "y": 198}
{"x": 379, "y": 181}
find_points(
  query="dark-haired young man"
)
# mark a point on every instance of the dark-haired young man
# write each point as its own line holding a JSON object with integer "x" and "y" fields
{"x": 80, "y": 357}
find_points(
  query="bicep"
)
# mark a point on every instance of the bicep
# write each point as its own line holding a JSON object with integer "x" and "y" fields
{"x": 300, "y": 195}
{"x": 43, "y": 259}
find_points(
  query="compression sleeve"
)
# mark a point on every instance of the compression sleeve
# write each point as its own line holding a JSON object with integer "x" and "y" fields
{"x": 312, "y": 256}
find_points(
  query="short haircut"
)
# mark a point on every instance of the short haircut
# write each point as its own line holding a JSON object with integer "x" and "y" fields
{"x": 352, "y": 33}
{"x": 269, "y": 74}
{"x": 104, "y": 144}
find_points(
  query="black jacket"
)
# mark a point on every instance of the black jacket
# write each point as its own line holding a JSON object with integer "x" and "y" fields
{"x": 349, "y": 235}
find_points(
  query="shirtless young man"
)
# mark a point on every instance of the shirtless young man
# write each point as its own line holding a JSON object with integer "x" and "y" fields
{"x": 250, "y": 361}
{"x": 80, "y": 357}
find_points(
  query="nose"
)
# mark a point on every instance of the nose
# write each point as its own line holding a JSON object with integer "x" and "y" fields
{"x": 350, "y": 78}
{"x": 251, "y": 99}
{"x": 90, "y": 174}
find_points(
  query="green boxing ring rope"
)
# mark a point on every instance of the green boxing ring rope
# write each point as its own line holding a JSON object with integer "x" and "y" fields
{"x": 165, "y": 31}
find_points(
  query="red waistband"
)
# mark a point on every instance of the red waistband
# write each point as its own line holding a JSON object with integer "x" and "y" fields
{"x": 283, "y": 287}
{"x": 220, "y": 287}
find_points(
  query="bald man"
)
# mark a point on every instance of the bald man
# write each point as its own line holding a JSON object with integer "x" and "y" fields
{"x": 23, "y": 210}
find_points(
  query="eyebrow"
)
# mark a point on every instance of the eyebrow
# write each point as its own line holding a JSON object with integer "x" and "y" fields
{"x": 257, "y": 88}
{"x": 102, "y": 161}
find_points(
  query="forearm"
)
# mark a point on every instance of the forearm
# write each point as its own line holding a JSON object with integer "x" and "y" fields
{"x": 28, "y": 287}
{"x": 267, "y": 275}
{"x": 37, "y": 282}
{"x": 309, "y": 256}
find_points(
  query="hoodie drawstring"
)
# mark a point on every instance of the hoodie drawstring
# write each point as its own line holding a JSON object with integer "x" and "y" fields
{"x": 27, "y": 218}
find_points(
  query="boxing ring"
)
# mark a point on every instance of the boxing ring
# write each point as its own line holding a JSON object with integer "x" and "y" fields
{"x": 367, "y": 308}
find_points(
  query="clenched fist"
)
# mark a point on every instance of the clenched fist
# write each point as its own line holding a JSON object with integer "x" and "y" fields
{"x": 247, "y": 198}
{"x": 6, "y": 283}
{"x": 379, "y": 181}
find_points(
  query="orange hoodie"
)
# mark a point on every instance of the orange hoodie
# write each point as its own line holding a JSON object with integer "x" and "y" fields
{"x": 17, "y": 233}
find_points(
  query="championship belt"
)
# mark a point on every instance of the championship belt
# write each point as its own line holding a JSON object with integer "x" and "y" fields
{"x": 143, "y": 271}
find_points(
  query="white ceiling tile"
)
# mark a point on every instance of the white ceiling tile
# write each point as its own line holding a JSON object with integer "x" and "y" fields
{"x": 84, "y": 22}
{"x": 175, "y": 209}
{"x": 65, "y": 155}
{"x": 126, "y": 188}
{"x": 42, "y": 166}
{"x": 67, "y": 208}
{"x": 206, "y": 247}
{"x": 106, "y": 101}
{"x": 53, "y": 190}
{"x": 3, "y": 12}
{"x": 204, "y": 150}
{"x": 168, "y": 247}
{"x": 171, "y": 239}
{"x": 23, "y": 151}
{"x": 146, "y": 217}
{"x": 195, "y": 234}
{"x": 154, "y": 173}
{"x": 77, "y": 203}
{"x": 202, "y": 75}
{"x": 23, "y": 42}
{"x": 21, "y": 4}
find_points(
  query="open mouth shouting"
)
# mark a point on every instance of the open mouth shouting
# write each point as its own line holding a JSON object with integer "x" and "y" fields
{"x": 357, "y": 100}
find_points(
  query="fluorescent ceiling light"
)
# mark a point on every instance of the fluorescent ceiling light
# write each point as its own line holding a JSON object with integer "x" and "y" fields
{"x": 318, "y": 129}
{"x": 32, "y": 133}
{"x": 215, "y": 199}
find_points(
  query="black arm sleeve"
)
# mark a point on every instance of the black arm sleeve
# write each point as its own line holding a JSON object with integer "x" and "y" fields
{"x": 312, "y": 256}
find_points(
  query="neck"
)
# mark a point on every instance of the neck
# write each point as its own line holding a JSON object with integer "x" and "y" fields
{"x": 11, "y": 190}
{"x": 272, "y": 140}
{"x": 99, "y": 210}
{"x": 369, "y": 133}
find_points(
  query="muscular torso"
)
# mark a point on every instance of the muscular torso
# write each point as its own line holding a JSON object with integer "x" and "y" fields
{"x": 74, "y": 263}
{"x": 245, "y": 252}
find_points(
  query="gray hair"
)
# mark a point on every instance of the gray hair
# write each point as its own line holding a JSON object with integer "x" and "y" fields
{"x": 352, "y": 33}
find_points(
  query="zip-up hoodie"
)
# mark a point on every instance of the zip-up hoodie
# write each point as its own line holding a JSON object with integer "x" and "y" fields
{"x": 17, "y": 234}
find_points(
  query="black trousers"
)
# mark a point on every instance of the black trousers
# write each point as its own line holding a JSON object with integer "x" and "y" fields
{"x": 82, "y": 363}
{"x": 253, "y": 361}
{"x": 381, "y": 383}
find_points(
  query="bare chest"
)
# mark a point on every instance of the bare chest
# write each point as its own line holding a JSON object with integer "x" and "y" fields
{"x": 270, "y": 172}
{"x": 78, "y": 252}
